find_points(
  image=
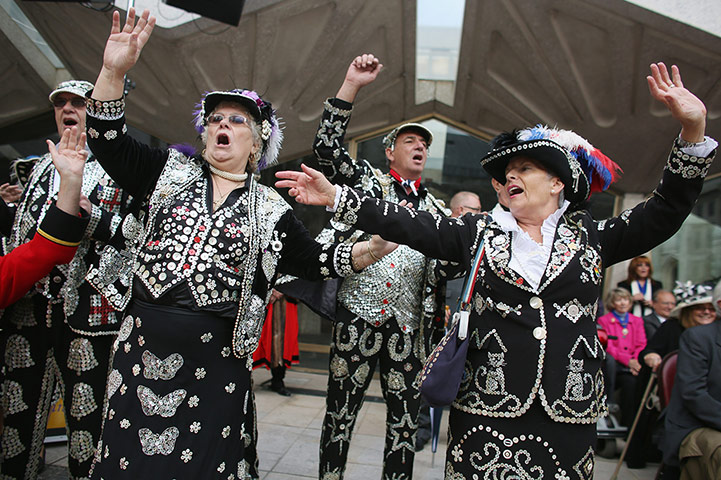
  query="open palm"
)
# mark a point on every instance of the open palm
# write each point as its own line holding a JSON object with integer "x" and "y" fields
{"x": 70, "y": 154}
{"x": 308, "y": 187}
{"x": 123, "y": 47}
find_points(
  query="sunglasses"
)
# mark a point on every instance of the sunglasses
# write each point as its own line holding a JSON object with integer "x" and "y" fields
{"x": 235, "y": 119}
{"x": 701, "y": 308}
{"x": 76, "y": 102}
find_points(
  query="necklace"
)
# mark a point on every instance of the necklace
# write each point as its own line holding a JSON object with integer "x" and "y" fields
{"x": 623, "y": 321}
{"x": 234, "y": 177}
{"x": 223, "y": 196}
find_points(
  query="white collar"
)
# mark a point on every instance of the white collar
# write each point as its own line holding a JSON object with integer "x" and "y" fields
{"x": 508, "y": 223}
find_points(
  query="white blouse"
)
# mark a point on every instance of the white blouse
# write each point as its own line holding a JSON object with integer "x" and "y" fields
{"x": 529, "y": 258}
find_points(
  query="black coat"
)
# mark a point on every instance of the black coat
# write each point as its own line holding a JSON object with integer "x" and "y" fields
{"x": 696, "y": 397}
{"x": 651, "y": 323}
{"x": 535, "y": 344}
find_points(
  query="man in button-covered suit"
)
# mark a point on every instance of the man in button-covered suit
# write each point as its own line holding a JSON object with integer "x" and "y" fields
{"x": 60, "y": 334}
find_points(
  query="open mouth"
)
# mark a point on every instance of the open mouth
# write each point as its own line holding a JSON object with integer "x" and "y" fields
{"x": 418, "y": 157}
{"x": 69, "y": 122}
{"x": 514, "y": 190}
{"x": 222, "y": 139}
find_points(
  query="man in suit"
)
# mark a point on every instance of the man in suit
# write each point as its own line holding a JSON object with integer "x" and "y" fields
{"x": 693, "y": 425}
{"x": 663, "y": 302}
{"x": 388, "y": 314}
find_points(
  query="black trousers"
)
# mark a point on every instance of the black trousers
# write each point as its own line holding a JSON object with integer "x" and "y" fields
{"x": 357, "y": 347}
{"x": 40, "y": 353}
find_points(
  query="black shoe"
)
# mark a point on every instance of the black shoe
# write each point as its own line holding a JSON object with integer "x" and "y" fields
{"x": 280, "y": 390}
{"x": 422, "y": 439}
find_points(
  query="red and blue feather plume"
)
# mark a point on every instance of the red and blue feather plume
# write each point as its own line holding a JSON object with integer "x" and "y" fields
{"x": 600, "y": 170}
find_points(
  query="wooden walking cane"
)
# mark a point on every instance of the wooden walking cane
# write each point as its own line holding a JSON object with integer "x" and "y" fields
{"x": 633, "y": 426}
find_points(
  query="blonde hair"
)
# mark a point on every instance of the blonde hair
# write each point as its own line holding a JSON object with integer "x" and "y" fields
{"x": 614, "y": 295}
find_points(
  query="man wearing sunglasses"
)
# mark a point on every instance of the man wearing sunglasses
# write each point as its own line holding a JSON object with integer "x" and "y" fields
{"x": 61, "y": 332}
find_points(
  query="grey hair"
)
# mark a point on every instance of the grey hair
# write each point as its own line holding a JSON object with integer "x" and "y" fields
{"x": 254, "y": 131}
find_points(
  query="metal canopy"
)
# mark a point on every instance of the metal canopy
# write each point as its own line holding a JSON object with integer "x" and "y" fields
{"x": 579, "y": 64}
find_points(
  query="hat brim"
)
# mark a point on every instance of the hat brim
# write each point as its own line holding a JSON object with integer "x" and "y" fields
{"x": 696, "y": 301}
{"x": 73, "y": 91}
{"x": 416, "y": 127}
{"x": 213, "y": 99}
{"x": 549, "y": 154}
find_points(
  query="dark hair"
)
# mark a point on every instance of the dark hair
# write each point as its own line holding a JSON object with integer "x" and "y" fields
{"x": 634, "y": 263}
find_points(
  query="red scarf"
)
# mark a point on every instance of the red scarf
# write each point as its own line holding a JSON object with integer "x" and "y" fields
{"x": 412, "y": 185}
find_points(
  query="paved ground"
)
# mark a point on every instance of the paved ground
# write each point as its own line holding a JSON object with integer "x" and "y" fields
{"x": 289, "y": 433}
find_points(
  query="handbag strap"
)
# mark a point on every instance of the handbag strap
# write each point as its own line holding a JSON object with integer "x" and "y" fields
{"x": 464, "y": 303}
{"x": 470, "y": 282}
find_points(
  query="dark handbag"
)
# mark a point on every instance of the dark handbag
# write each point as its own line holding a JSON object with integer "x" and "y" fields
{"x": 443, "y": 370}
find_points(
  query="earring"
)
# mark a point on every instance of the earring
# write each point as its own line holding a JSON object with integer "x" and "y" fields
{"x": 552, "y": 191}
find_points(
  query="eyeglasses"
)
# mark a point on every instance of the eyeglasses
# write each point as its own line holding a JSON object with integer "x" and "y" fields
{"x": 701, "y": 308}
{"x": 235, "y": 119}
{"x": 472, "y": 209}
{"x": 77, "y": 102}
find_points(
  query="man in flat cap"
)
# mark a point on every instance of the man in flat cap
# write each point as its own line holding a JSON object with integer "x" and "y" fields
{"x": 60, "y": 334}
{"x": 387, "y": 313}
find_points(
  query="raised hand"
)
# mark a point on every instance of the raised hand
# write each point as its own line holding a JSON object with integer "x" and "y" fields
{"x": 309, "y": 187}
{"x": 122, "y": 51}
{"x": 69, "y": 160}
{"x": 70, "y": 155}
{"x": 123, "y": 47}
{"x": 683, "y": 105}
{"x": 363, "y": 70}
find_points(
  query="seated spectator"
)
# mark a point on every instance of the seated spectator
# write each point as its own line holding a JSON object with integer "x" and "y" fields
{"x": 664, "y": 341}
{"x": 641, "y": 285}
{"x": 626, "y": 339}
{"x": 663, "y": 302}
{"x": 692, "y": 439}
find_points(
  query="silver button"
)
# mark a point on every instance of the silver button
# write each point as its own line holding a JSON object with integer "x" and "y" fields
{"x": 539, "y": 333}
{"x": 536, "y": 302}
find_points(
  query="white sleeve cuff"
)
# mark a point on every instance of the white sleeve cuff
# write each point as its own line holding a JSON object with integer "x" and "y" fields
{"x": 337, "y": 199}
{"x": 701, "y": 149}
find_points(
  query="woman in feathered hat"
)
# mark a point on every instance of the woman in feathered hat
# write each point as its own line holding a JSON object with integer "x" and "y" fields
{"x": 533, "y": 387}
{"x": 193, "y": 271}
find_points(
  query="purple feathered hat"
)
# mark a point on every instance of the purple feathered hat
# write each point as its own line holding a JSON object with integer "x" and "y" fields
{"x": 263, "y": 114}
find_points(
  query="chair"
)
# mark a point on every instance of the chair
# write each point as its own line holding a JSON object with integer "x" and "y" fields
{"x": 666, "y": 377}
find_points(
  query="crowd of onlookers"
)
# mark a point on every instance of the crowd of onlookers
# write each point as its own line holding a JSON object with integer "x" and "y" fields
{"x": 645, "y": 323}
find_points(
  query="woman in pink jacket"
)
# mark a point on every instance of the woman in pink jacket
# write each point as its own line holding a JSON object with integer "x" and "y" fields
{"x": 626, "y": 339}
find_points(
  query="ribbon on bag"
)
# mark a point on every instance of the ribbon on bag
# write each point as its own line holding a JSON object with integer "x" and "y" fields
{"x": 443, "y": 369}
